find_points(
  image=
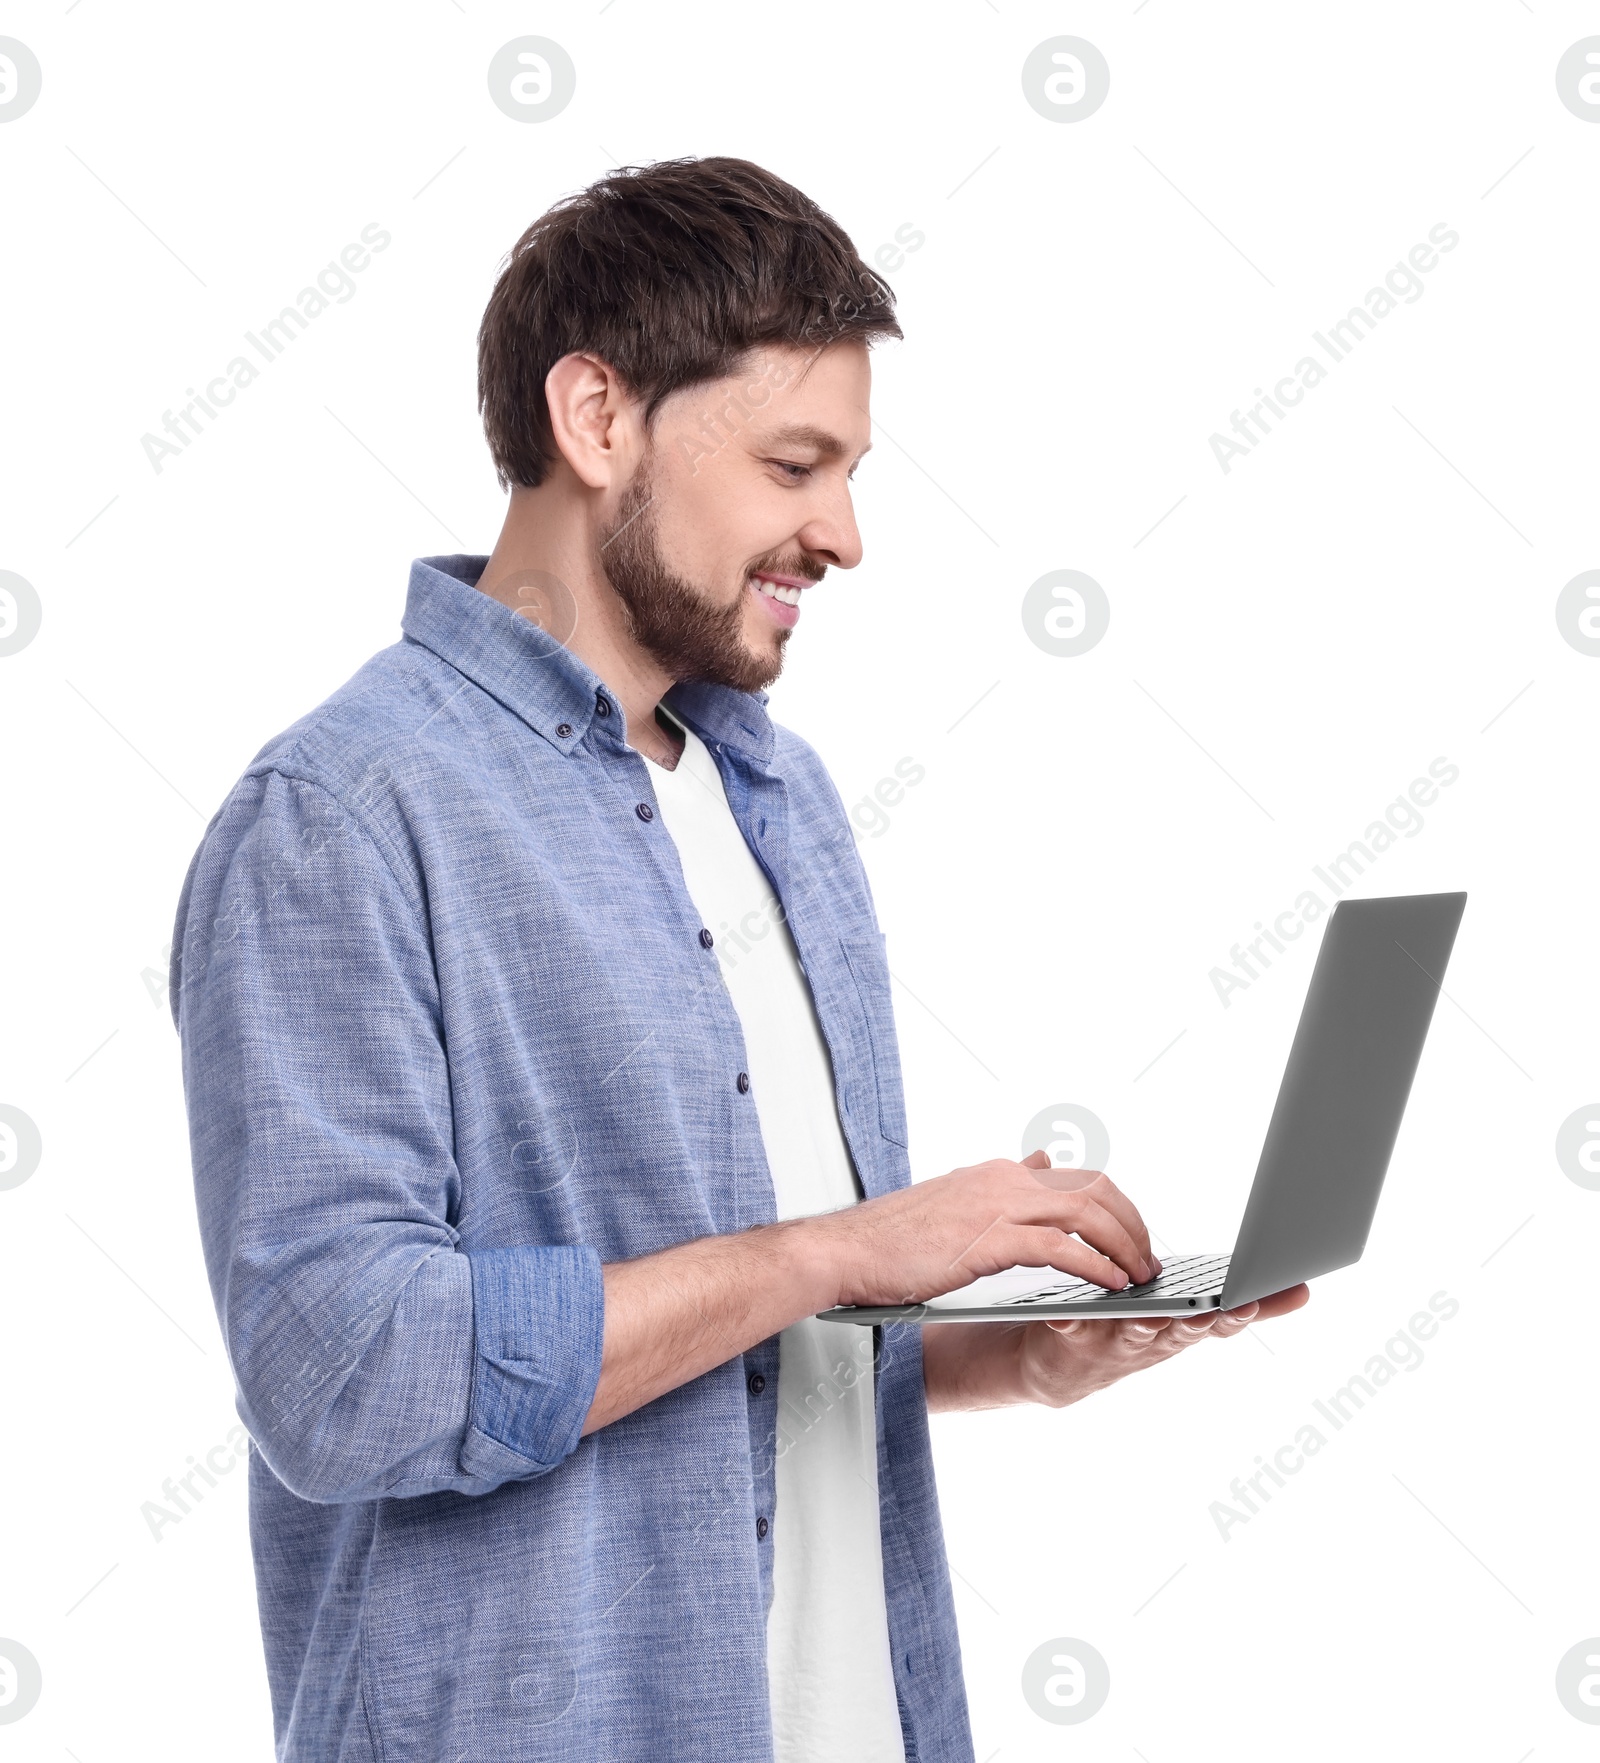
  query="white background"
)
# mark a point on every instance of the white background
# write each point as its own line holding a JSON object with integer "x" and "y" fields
{"x": 1289, "y": 648}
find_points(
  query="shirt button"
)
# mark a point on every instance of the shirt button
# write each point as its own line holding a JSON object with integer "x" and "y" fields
{"x": 762, "y": 1527}
{"x": 743, "y": 1083}
{"x": 706, "y": 938}
{"x": 563, "y": 729}
{"x": 602, "y": 706}
{"x": 757, "y": 1383}
{"x": 645, "y": 811}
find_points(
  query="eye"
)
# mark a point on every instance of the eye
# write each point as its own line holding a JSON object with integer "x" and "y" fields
{"x": 793, "y": 473}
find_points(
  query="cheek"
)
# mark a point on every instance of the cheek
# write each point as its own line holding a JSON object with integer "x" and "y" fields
{"x": 688, "y": 526}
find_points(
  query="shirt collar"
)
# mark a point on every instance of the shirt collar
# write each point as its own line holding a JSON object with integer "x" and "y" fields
{"x": 542, "y": 681}
{"x": 723, "y": 717}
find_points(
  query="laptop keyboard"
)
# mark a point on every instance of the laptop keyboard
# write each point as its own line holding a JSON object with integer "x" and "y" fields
{"x": 1184, "y": 1276}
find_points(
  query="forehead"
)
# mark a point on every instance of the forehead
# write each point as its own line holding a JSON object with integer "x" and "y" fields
{"x": 818, "y": 399}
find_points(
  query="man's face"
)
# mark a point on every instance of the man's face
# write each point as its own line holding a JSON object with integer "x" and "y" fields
{"x": 738, "y": 509}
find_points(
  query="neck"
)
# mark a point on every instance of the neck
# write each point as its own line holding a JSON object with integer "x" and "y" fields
{"x": 554, "y": 531}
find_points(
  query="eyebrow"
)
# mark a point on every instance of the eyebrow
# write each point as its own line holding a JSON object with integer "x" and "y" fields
{"x": 805, "y": 434}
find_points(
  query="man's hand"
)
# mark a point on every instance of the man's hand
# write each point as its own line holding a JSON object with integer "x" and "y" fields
{"x": 675, "y": 1314}
{"x": 937, "y": 1235}
{"x": 990, "y": 1365}
{"x": 994, "y": 1364}
{"x": 1063, "y": 1361}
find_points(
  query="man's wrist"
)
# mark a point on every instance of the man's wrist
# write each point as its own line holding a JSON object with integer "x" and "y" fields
{"x": 1028, "y": 1385}
{"x": 973, "y": 1365}
{"x": 814, "y": 1252}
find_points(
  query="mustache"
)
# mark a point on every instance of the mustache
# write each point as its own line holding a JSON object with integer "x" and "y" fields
{"x": 806, "y": 568}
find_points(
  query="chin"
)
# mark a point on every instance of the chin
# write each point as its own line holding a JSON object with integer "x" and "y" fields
{"x": 763, "y": 674}
{"x": 759, "y": 666}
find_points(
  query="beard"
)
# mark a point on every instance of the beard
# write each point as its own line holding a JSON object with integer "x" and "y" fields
{"x": 687, "y": 632}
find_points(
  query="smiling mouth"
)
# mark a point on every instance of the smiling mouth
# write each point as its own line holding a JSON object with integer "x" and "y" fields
{"x": 779, "y": 596}
{"x": 783, "y": 588}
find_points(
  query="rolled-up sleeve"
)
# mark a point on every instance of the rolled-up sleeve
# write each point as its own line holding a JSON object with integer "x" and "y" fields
{"x": 534, "y": 1384}
{"x": 374, "y": 1356}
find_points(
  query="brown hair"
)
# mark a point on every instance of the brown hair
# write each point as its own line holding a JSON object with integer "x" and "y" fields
{"x": 671, "y": 273}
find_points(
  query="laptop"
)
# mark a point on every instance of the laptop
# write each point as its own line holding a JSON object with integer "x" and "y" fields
{"x": 1333, "y": 1130}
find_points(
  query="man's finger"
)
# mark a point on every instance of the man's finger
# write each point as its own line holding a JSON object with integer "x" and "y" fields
{"x": 1081, "y": 1214}
{"x": 1106, "y": 1191}
{"x": 1103, "y": 1192}
{"x": 1053, "y": 1245}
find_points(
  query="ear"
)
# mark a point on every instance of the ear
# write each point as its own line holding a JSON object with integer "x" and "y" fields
{"x": 595, "y": 423}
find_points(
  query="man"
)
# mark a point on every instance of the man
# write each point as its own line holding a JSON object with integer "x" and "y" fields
{"x": 543, "y": 1084}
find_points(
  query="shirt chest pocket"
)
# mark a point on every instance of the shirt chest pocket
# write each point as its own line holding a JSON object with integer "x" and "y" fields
{"x": 869, "y": 969}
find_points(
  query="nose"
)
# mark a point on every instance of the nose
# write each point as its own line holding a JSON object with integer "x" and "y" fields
{"x": 831, "y": 534}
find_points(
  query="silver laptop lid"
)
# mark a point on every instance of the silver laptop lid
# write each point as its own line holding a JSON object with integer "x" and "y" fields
{"x": 1344, "y": 1090}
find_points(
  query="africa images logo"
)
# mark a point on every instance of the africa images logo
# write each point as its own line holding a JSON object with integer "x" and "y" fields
{"x": 20, "y": 1681}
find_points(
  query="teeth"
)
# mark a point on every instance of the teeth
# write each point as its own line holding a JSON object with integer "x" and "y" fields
{"x": 789, "y": 596}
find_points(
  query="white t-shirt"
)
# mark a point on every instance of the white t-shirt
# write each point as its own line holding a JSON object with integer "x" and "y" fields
{"x": 828, "y": 1663}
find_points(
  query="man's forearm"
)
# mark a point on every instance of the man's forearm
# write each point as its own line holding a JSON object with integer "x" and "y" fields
{"x": 672, "y": 1316}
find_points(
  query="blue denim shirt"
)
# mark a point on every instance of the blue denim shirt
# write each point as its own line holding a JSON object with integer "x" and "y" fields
{"x": 450, "y": 1041}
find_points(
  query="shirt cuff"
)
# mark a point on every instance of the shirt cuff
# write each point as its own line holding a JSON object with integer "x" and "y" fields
{"x": 538, "y": 1323}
